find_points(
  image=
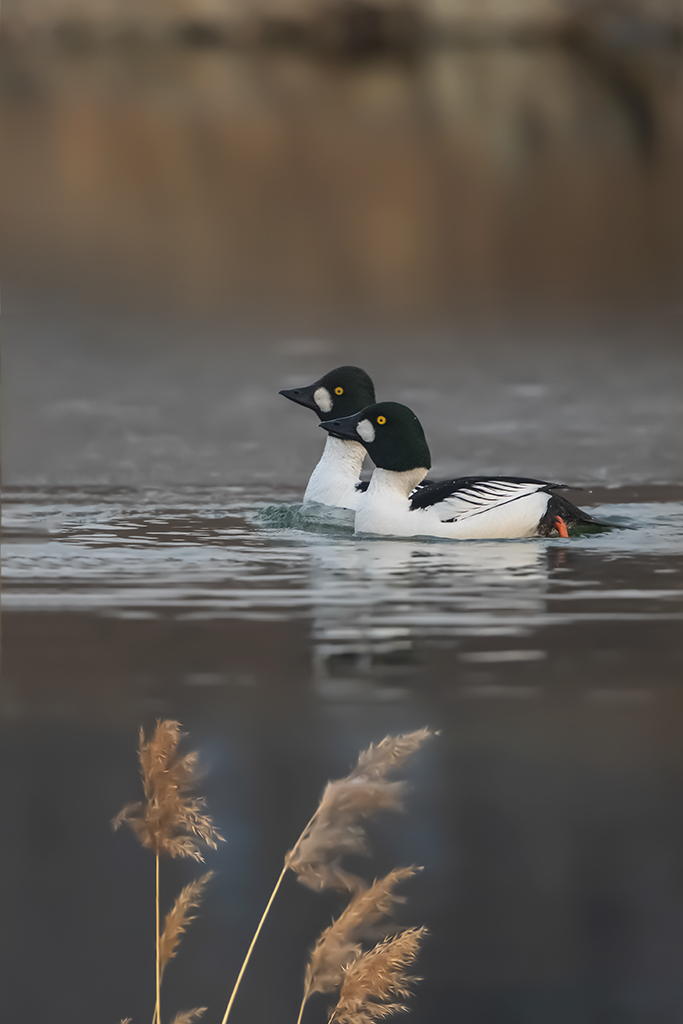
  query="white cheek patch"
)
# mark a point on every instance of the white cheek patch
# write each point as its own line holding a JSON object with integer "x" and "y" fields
{"x": 366, "y": 430}
{"x": 323, "y": 399}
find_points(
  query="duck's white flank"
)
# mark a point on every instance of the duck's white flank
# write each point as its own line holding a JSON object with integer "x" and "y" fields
{"x": 515, "y": 511}
{"x": 334, "y": 479}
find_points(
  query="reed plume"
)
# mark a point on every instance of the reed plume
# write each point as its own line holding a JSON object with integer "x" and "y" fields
{"x": 169, "y": 820}
{"x": 189, "y": 1016}
{"x": 336, "y": 829}
{"x": 389, "y": 754}
{"x": 367, "y": 916}
{"x": 375, "y": 984}
{"x": 179, "y": 917}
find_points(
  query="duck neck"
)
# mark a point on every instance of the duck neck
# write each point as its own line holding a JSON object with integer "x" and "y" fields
{"x": 388, "y": 483}
{"x": 338, "y": 471}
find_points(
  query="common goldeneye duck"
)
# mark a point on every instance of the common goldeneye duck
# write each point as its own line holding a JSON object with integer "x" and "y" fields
{"x": 341, "y": 392}
{"x": 467, "y": 508}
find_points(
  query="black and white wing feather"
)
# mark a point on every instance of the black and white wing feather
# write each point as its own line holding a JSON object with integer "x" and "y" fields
{"x": 455, "y": 500}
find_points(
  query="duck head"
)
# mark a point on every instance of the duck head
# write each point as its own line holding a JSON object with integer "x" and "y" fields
{"x": 391, "y": 434}
{"x": 339, "y": 393}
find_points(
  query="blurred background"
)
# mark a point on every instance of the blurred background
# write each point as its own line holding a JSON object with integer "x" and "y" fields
{"x": 204, "y": 201}
{"x": 480, "y": 202}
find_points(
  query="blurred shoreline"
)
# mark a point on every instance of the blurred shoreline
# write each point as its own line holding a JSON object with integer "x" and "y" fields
{"x": 275, "y": 186}
{"x": 495, "y": 232}
{"x": 346, "y": 26}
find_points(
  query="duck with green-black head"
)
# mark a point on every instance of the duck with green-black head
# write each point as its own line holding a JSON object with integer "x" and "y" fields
{"x": 468, "y": 508}
{"x": 341, "y": 392}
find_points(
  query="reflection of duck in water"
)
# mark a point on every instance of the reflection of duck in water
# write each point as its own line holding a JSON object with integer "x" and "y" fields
{"x": 359, "y": 572}
{"x": 464, "y": 509}
{"x": 341, "y": 392}
{"x": 374, "y": 603}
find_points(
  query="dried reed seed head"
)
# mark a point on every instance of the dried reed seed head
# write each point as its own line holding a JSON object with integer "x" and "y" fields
{"x": 359, "y": 797}
{"x": 375, "y": 984}
{"x": 329, "y": 876}
{"x": 325, "y": 970}
{"x": 169, "y": 820}
{"x": 335, "y": 829}
{"x": 389, "y": 754}
{"x": 180, "y": 916}
{"x": 339, "y": 944}
{"x": 336, "y": 832}
{"x": 317, "y": 859}
{"x": 367, "y": 1014}
{"x": 189, "y": 1016}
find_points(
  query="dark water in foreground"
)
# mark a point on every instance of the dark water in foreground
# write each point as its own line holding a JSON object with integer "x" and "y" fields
{"x": 548, "y": 814}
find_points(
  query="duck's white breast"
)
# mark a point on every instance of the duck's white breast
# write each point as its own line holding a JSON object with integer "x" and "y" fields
{"x": 334, "y": 479}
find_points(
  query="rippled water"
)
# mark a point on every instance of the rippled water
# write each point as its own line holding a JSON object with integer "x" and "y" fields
{"x": 372, "y": 609}
{"x": 547, "y": 813}
{"x": 239, "y": 553}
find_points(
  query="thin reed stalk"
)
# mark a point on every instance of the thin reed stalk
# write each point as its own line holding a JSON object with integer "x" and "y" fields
{"x": 157, "y": 1011}
{"x": 301, "y": 1009}
{"x": 253, "y": 943}
{"x": 261, "y": 923}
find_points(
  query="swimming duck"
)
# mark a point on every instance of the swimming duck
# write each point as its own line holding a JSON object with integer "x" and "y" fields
{"x": 467, "y": 508}
{"x": 341, "y": 392}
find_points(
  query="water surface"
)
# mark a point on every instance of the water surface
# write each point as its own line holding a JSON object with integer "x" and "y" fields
{"x": 547, "y": 814}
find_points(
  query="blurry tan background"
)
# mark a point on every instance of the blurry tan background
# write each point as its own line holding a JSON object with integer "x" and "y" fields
{"x": 202, "y": 202}
{"x": 208, "y": 172}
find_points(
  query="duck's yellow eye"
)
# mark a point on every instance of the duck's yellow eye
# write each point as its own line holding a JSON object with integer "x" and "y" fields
{"x": 339, "y": 391}
{"x": 381, "y": 419}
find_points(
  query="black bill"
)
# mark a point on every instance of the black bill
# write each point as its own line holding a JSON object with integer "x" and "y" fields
{"x": 344, "y": 428}
{"x": 303, "y": 396}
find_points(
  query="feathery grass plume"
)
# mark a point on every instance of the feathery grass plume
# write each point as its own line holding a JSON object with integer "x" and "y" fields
{"x": 375, "y": 984}
{"x": 180, "y": 916}
{"x": 189, "y": 1016}
{"x": 335, "y": 830}
{"x": 387, "y": 755}
{"x": 367, "y": 916}
{"x": 169, "y": 820}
